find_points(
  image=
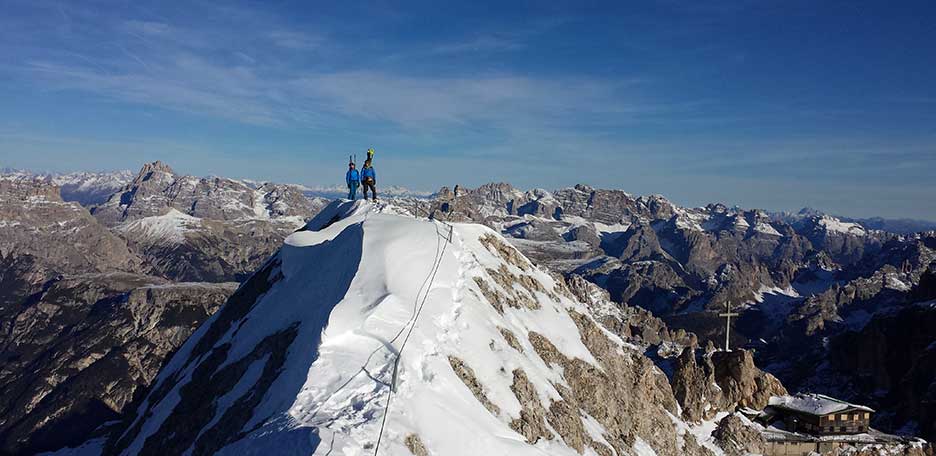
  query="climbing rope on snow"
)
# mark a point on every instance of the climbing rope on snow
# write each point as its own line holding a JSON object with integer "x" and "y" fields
{"x": 441, "y": 244}
{"x": 399, "y": 355}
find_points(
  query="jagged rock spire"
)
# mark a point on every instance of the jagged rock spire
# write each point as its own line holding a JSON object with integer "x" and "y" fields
{"x": 153, "y": 167}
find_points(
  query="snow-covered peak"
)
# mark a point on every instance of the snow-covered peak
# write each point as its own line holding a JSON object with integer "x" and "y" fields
{"x": 371, "y": 332}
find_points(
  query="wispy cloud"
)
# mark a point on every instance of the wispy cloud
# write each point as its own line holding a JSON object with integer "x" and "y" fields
{"x": 486, "y": 43}
{"x": 146, "y": 28}
{"x": 263, "y": 73}
{"x": 295, "y": 40}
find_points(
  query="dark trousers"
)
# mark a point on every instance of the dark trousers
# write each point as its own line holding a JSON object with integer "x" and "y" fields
{"x": 352, "y": 191}
{"x": 372, "y": 186}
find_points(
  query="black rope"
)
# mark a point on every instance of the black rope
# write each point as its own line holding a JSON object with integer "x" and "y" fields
{"x": 399, "y": 355}
{"x": 417, "y": 308}
{"x": 397, "y": 336}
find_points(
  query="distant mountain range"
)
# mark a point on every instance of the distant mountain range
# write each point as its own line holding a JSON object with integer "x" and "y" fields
{"x": 901, "y": 226}
{"x": 155, "y": 253}
{"x": 807, "y": 286}
{"x": 91, "y": 188}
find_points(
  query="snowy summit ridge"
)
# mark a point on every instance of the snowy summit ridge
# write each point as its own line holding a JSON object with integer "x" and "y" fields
{"x": 483, "y": 352}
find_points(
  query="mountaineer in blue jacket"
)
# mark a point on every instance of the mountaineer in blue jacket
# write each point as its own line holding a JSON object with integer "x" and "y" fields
{"x": 353, "y": 178}
{"x": 369, "y": 179}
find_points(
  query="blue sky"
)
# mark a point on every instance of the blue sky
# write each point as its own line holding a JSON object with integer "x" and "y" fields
{"x": 773, "y": 104}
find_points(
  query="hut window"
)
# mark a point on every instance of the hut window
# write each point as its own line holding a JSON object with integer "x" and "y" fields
{"x": 867, "y": 415}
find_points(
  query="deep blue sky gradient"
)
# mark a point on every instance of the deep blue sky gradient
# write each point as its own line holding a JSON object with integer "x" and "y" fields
{"x": 773, "y": 104}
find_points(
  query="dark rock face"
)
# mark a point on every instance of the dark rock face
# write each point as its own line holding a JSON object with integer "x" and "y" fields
{"x": 893, "y": 359}
{"x": 78, "y": 353}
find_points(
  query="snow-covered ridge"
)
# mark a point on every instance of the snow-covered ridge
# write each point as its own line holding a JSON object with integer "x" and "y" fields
{"x": 469, "y": 336}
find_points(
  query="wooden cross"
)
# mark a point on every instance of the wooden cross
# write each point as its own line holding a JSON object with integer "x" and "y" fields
{"x": 727, "y": 316}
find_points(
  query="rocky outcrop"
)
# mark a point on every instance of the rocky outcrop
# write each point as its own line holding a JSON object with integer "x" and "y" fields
{"x": 694, "y": 387}
{"x": 532, "y": 421}
{"x": 739, "y": 437}
{"x": 77, "y": 354}
{"x": 628, "y": 395}
{"x": 720, "y": 381}
{"x": 83, "y": 187}
{"x": 415, "y": 445}
{"x": 741, "y": 382}
{"x": 633, "y": 324}
{"x": 467, "y": 376}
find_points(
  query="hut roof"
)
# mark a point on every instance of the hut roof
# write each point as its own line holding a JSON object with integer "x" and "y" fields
{"x": 814, "y": 404}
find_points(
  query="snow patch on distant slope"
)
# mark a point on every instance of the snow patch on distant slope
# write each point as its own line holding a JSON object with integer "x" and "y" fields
{"x": 766, "y": 228}
{"x": 169, "y": 228}
{"x": 602, "y": 228}
{"x": 689, "y": 219}
{"x": 835, "y": 225}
